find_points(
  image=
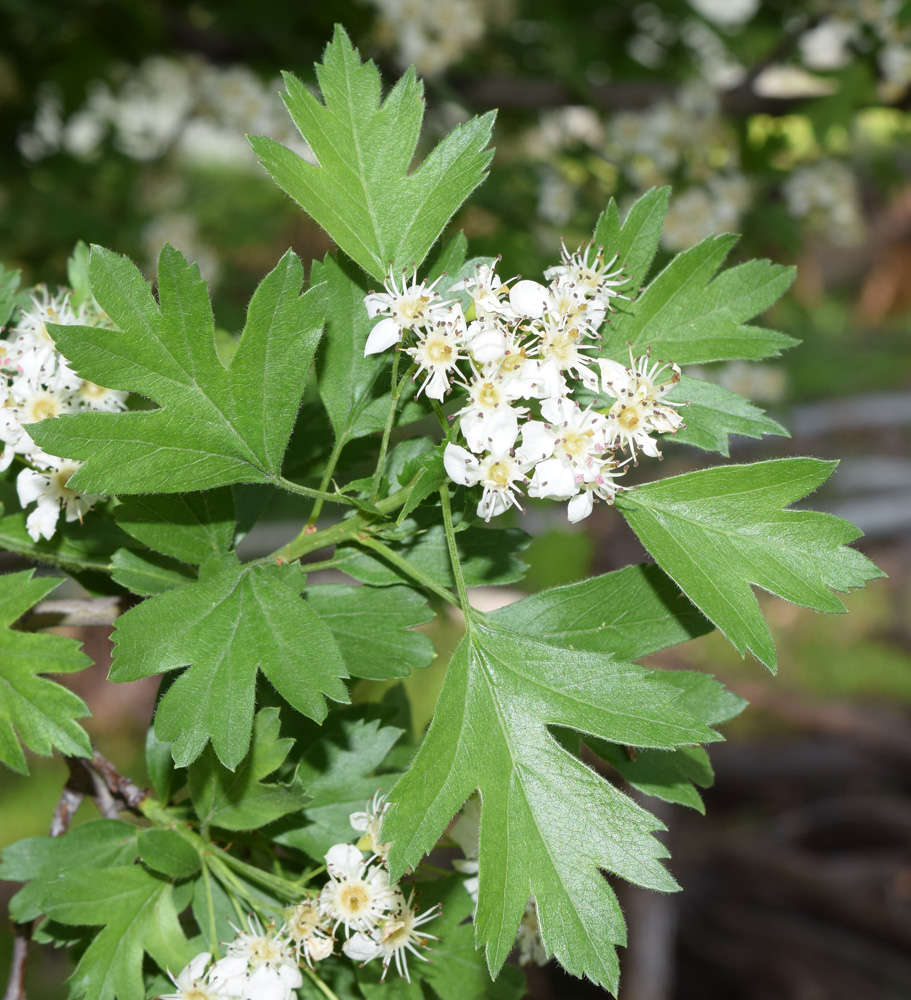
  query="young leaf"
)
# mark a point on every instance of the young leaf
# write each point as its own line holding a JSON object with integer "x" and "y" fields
{"x": 628, "y": 613}
{"x": 191, "y": 527}
{"x": 337, "y": 772}
{"x": 235, "y": 621}
{"x": 136, "y": 909}
{"x": 241, "y": 799}
{"x": 715, "y": 413}
{"x": 361, "y": 192}
{"x": 717, "y": 531}
{"x": 548, "y": 823}
{"x": 686, "y": 317}
{"x": 41, "y": 711}
{"x": 636, "y": 241}
{"x": 374, "y": 628}
{"x": 214, "y": 426}
{"x": 100, "y": 843}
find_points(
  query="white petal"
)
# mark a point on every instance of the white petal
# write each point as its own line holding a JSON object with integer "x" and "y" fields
{"x": 487, "y": 344}
{"x": 7, "y": 454}
{"x": 360, "y": 948}
{"x": 376, "y": 303}
{"x": 614, "y": 376}
{"x": 359, "y": 821}
{"x": 30, "y": 485}
{"x": 580, "y": 506}
{"x": 537, "y": 442}
{"x": 588, "y": 378}
{"x": 319, "y": 948}
{"x": 528, "y": 298}
{"x": 502, "y": 430}
{"x": 386, "y": 333}
{"x": 435, "y": 387}
{"x": 554, "y": 480}
{"x": 495, "y": 503}
{"x": 461, "y": 466}
{"x": 195, "y": 968}
{"x": 344, "y": 860}
{"x": 43, "y": 520}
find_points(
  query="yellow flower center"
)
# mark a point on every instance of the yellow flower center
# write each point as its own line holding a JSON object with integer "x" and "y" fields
{"x": 439, "y": 352}
{"x": 43, "y": 408}
{"x": 498, "y": 474}
{"x": 489, "y": 395}
{"x": 354, "y": 898}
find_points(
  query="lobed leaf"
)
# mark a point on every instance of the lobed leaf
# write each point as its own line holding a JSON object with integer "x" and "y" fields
{"x": 136, "y": 909}
{"x": 235, "y": 621}
{"x": 33, "y": 709}
{"x": 361, "y": 192}
{"x": 214, "y": 425}
{"x": 718, "y": 531}
{"x": 714, "y": 413}
{"x": 636, "y": 241}
{"x": 687, "y": 317}
{"x": 549, "y": 824}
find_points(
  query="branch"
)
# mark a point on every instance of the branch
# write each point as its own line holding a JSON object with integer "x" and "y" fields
{"x": 81, "y": 612}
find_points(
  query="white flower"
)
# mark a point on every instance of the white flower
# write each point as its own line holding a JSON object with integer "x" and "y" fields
{"x": 411, "y": 307}
{"x": 591, "y": 275}
{"x": 192, "y": 983}
{"x": 487, "y": 292}
{"x": 437, "y": 352}
{"x": 498, "y": 473}
{"x": 529, "y": 299}
{"x": 370, "y": 822}
{"x": 528, "y": 940}
{"x": 395, "y": 938}
{"x": 304, "y": 926}
{"x": 260, "y": 964}
{"x": 50, "y": 490}
{"x": 356, "y": 895}
{"x": 638, "y": 411}
{"x": 561, "y": 349}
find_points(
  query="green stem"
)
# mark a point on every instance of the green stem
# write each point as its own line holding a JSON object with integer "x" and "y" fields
{"x": 210, "y": 908}
{"x": 306, "y": 491}
{"x": 441, "y": 416}
{"x": 454, "y": 552}
{"x": 319, "y": 984}
{"x": 327, "y": 478}
{"x": 278, "y": 884}
{"x": 234, "y": 886}
{"x": 390, "y": 419}
{"x": 309, "y": 540}
{"x": 409, "y": 569}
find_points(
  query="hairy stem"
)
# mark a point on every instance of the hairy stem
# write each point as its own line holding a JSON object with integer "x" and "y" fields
{"x": 454, "y": 552}
{"x": 409, "y": 569}
{"x": 327, "y": 478}
{"x": 397, "y": 387}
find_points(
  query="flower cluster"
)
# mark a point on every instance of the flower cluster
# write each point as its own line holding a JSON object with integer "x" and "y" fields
{"x": 36, "y": 383}
{"x": 376, "y": 919}
{"x": 527, "y": 346}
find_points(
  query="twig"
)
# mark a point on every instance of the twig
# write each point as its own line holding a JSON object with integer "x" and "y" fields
{"x": 79, "y": 612}
{"x": 120, "y": 787}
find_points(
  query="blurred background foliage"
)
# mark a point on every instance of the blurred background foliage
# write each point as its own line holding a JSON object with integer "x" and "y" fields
{"x": 122, "y": 123}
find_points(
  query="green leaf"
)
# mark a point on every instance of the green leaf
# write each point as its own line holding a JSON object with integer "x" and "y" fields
{"x": 636, "y": 241}
{"x": 670, "y": 775}
{"x": 355, "y": 397}
{"x": 167, "y": 852}
{"x": 489, "y": 557}
{"x": 100, "y": 843}
{"x": 450, "y": 259}
{"x": 431, "y": 477}
{"x": 235, "y": 621}
{"x": 548, "y": 823}
{"x": 374, "y": 628}
{"x": 76, "y": 548}
{"x": 717, "y": 531}
{"x": 148, "y": 574}
{"x": 686, "y": 317}
{"x": 191, "y": 527}
{"x": 136, "y": 909}
{"x": 715, "y": 413}
{"x": 77, "y": 274}
{"x": 214, "y": 910}
{"x": 214, "y": 426}
{"x": 337, "y": 771}
{"x": 241, "y": 799}
{"x": 160, "y": 765}
{"x": 10, "y": 296}
{"x": 362, "y": 192}
{"x": 629, "y": 613}
{"x": 39, "y": 710}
